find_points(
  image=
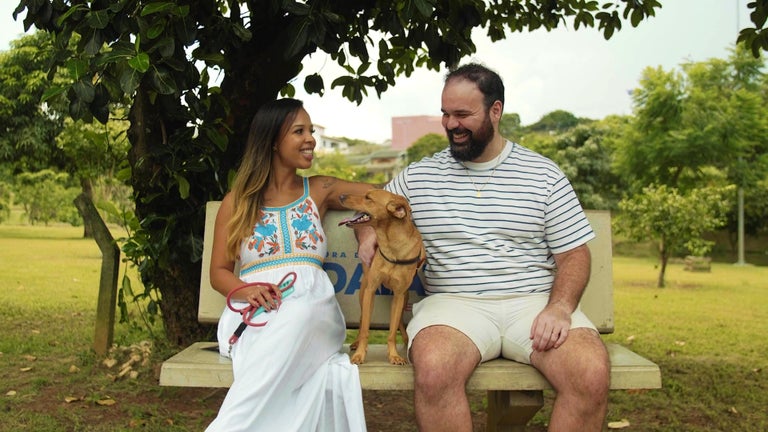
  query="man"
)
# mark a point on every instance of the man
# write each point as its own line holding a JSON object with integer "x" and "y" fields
{"x": 507, "y": 263}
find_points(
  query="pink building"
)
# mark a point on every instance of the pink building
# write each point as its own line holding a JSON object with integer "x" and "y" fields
{"x": 406, "y": 130}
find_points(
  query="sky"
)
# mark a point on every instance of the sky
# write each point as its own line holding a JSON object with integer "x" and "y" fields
{"x": 576, "y": 71}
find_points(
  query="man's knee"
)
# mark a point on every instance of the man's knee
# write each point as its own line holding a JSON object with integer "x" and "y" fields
{"x": 581, "y": 365}
{"x": 442, "y": 357}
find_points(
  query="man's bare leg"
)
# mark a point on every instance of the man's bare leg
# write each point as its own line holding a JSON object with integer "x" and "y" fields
{"x": 443, "y": 360}
{"x": 580, "y": 373}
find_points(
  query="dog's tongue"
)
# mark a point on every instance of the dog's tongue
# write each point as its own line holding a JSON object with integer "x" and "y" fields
{"x": 351, "y": 220}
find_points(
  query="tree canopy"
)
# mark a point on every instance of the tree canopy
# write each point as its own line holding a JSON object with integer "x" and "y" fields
{"x": 186, "y": 133}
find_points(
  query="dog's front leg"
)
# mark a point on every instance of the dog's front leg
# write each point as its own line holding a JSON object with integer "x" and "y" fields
{"x": 395, "y": 323}
{"x": 366, "y": 304}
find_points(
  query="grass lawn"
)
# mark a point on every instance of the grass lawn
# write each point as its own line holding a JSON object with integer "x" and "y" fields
{"x": 705, "y": 330}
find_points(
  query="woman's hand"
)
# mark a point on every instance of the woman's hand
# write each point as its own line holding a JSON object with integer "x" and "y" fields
{"x": 267, "y": 295}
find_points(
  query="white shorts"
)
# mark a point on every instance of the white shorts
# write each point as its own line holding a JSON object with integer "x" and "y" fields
{"x": 497, "y": 325}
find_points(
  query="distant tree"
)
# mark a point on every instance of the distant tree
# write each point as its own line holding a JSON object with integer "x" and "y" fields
{"x": 93, "y": 150}
{"x": 337, "y": 165}
{"x": 47, "y": 196}
{"x": 676, "y": 222}
{"x": 510, "y": 126}
{"x": 585, "y": 155}
{"x": 427, "y": 145}
{"x": 93, "y": 153}
{"x": 555, "y": 122}
{"x": 710, "y": 113}
{"x": 28, "y": 127}
{"x": 705, "y": 124}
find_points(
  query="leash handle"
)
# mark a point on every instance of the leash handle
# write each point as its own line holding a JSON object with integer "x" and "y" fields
{"x": 248, "y": 312}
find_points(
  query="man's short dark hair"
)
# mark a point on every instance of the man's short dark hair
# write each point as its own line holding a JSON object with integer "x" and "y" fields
{"x": 488, "y": 81}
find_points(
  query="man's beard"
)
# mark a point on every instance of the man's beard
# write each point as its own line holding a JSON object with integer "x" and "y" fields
{"x": 476, "y": 142}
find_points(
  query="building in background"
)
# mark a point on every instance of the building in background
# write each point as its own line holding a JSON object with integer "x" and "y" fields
{"x": 406, "y": 130}
{"x": 326, "y": 144}
{"x": 387, "y": 161}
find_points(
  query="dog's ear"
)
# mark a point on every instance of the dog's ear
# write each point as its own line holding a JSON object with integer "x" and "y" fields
{"x": 397, "y": 208}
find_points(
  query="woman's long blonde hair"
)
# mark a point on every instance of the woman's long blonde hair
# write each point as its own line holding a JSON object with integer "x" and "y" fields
{"x": 268, "y": 127}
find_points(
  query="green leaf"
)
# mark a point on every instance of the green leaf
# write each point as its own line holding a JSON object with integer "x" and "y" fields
{"x": 183, "y": 186}
{"x": 60, "y": 20}
{"x": 300, "y": 34}
{"x": 76, "y": 68}
{"x": 163, "y": 81}
{"x": 52, "y": 92}
{"x": 84, "y": 90}
{"x": 156, "y": 29}
{"x": 288, "y": 91}
{"x": 94, "y": 44}
{"x": 124, "y": 174}
{"x": 97, "y": 19}
{"x": 425, "y": 7}
{"x": 216, "y": 137}
{"x": 129, "y": 80}
{"x": 152, "y": 8}
{"x": 166, "y": 47}
{"x": 78, "y": 108}
{"x": 314, "y": 84}
{"x": 140, "y": 62}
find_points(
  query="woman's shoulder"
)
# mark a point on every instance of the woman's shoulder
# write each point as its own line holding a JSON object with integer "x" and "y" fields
{"x": 227, "y": 204}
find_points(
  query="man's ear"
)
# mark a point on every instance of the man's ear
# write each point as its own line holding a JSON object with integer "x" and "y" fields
{"x": 496, "y": 110}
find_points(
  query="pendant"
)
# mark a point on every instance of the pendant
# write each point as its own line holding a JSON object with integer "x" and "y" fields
{"x": 478, "y": 194}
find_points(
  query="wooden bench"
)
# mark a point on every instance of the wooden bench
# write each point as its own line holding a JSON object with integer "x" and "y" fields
{"x": 514, "y": 390}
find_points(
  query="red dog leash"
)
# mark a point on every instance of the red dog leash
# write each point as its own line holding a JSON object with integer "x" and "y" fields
{"x": 248, "y": 312}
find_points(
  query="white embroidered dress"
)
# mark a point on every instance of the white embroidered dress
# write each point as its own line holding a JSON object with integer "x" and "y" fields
{"x": 290, "y": 374}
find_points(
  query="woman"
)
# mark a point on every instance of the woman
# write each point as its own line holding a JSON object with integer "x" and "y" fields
{"x": 289, "y": 374}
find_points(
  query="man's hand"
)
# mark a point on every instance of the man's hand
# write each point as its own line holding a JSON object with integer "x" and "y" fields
{"x": 366, "y": 244}
{"x": 550, "y": 328}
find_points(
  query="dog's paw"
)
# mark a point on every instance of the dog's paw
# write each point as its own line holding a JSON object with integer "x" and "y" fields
{"x": 358, "y": 358}
{"x": 397, "y": 360}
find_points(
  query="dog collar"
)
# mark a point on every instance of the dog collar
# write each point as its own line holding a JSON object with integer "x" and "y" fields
{"x": 401, "y": 262}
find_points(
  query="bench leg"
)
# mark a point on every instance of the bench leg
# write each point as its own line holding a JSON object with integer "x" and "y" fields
{"x": 510, "y": 411}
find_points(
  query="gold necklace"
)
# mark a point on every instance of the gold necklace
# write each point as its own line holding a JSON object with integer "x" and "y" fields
{"x": 479, "y": 190}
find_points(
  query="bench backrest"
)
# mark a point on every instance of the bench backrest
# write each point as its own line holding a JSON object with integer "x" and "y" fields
{"x": 346, "y": 272}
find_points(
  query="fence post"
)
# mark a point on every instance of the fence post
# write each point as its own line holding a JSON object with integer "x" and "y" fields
{"x": 110, "y": 267}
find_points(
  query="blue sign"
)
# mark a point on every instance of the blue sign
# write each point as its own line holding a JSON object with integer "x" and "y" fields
{"x": 350, "y": 285}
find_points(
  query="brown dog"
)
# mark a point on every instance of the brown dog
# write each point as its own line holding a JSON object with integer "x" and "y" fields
{"x": 400, "y": 254}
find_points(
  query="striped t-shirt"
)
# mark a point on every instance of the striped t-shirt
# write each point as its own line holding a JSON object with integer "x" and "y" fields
{"x": 491, "y": 228}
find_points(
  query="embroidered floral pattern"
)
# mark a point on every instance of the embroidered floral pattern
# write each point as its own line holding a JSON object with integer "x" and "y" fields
{"x": 266, "y": 236}
{"x": 304, "y": 230}
{"x": 304, "y": 219}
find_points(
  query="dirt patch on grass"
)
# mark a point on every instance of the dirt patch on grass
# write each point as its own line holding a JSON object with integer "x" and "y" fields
{"x": 96, "y": 405}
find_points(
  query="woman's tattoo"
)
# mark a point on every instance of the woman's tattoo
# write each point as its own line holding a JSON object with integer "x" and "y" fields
{"x": 329, "y": 182}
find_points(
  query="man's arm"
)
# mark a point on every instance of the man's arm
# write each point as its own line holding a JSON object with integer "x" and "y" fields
{"x": 551, "y": 326}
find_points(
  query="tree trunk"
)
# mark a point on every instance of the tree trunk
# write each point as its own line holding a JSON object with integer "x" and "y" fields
{"x": 87, "y": 188}
{"x": 170, "y": 264}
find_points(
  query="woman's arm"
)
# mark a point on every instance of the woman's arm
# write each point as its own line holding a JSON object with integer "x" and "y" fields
{"x": 326, "y": 191}
{"x": 222, "y": 271}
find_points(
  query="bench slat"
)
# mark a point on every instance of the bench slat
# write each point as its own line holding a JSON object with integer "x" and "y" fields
{"x": 200, "y": 365}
